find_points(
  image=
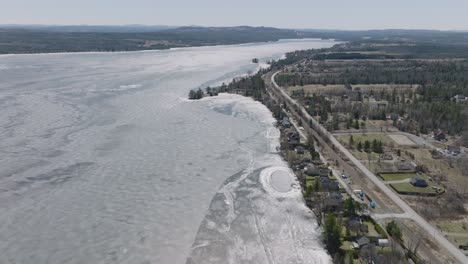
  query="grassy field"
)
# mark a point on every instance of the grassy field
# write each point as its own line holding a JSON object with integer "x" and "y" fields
{"x": 459, "y": 240}
{"x": 453, "y": 173}
{"x": 362, "y": 155}
{"x": 402, "y": 140}
{"x": 363, "y": 137}
{"x": 318, "y": 88}
{"x": 372, "y": 231}
{"x": 453, "y": 226}
{"x": 400, "y": 176}
{"x": 407, "y": 187}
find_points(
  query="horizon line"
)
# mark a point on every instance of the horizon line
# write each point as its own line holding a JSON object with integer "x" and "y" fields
{"x": 230, "y": 26}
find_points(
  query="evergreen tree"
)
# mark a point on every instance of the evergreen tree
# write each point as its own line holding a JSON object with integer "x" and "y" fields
{"x": 359, "y": 146}
{"x": 394, "y": 230}
{"x": 332, "y": 234}
{"x": 375, "y": 146}
{"x": 367, "y": 146}
{"x": 351, "y": 141}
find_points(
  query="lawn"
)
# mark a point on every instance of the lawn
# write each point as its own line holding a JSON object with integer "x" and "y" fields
{"x": 459, "y": 240}
{"x": 372, "y": 231}
{"x": 360, "y": 137}
{"x": 407, "y": 187}
{"x": 310, "y": 181}
{"x": 400, "y": 176}
{"x": 363, "y": 137}
{"x": 453, "y": 226}
{"x": 347, "y": 245}
{"x": 362, "y": 155}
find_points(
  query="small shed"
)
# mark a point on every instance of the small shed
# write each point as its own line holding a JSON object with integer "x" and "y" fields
{"x": 383, "y": 243}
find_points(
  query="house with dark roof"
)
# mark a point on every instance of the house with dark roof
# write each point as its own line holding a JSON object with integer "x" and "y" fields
{"x": 329, "y": 185}
{"x": 300, "y": 150}
{"x": 440, "y": 136}
{"x": 324, "y": 171}
{"x": 333, "y": 202}
{"x": 311, "y": 170}
{"x": 418, "y": 182}
{"x": 362, "y": 242}
{"x": 285, "y": 124}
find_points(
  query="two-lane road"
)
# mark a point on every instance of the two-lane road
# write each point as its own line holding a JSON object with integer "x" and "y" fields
{"x": 409, "y": 212}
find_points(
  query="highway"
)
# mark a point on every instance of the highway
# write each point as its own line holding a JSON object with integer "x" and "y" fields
{"x": 408, "y": 211}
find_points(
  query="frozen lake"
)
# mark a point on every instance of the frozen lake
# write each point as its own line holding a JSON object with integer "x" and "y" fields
{"x": 103, "y": 160}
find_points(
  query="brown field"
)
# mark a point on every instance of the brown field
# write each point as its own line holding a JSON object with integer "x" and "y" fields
{"x": 318, "y": 88}
{"x": 448, "y": 169}
{"x": 402, "y": 140}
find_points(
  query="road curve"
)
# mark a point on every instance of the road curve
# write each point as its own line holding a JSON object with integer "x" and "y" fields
{"x": 436, "y": 234}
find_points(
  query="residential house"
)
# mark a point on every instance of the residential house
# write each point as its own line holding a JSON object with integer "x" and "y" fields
{"x": 386, "y": 156}
{"x": 311, "y": 170}
{"x": 453, "y": 149}
{"x": 440, "y": 136}
{"x": 418, "y": 182}
{"x": 377, "y": 105}
{"x": 333, "y": 202}
{"x": 300, "y": 150}
{"x": 460, "y": 98}
{"x": 361, "y": 242}
{"x": 324, "y": 171}
{"x": 285, "y": 124}
{"x": 328, "y": 185}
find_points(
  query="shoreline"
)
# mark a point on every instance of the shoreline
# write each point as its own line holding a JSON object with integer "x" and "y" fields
{"x": 160, "y": 50}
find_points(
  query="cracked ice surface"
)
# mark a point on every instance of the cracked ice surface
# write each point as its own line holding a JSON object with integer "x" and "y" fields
{"x": 258, "y": 215}
{"x": 102, "y": 160}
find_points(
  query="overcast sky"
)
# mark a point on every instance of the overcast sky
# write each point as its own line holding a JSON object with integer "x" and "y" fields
{"x": 326, "y": 14}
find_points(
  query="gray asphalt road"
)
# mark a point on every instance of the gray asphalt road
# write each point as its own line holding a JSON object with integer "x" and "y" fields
{"x": 436, "y": 234}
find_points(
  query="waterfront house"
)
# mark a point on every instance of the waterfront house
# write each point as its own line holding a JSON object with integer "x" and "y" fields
{"x": 333, "y": 202}
{"x": 285, "y": 124}
{"x": 324, "y": 171}
{"x": 329, "y": 185}
{"x": 300, "y": 150}
{"x": 311, "y": 170}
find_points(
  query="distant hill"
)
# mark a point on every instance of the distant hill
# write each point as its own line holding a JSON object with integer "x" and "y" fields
{"x": 404, "y": 35}
{"x": 44, "y": 39}
{"x": 91, "y": 28}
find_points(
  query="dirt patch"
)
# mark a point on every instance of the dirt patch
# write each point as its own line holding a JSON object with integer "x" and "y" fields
{"x": 402, "y": 140}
